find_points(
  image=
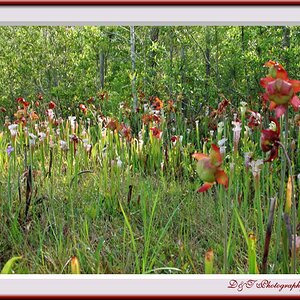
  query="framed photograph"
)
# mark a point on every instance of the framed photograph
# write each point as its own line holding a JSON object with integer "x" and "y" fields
{"x": 149, "y": 148}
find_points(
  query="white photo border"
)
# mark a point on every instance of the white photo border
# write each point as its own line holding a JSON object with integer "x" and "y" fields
{"x": 155, "y": 285}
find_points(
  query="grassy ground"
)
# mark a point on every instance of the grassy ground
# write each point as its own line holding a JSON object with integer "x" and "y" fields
{"x": 172, "y": 227}
{"x": 129, "y": 205}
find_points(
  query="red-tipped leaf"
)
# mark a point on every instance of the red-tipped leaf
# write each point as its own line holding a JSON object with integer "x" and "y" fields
{"x": 206, "y": 186}
{"x": 222, "y": 178}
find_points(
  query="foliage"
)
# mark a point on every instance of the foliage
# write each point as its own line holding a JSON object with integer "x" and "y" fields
{"x": 92, "y": 182}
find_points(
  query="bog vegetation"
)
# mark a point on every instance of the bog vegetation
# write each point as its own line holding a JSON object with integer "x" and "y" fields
{"x": 160, "y": 150}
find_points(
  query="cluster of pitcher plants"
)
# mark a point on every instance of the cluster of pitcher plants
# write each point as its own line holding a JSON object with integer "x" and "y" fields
{"x": 245, "y": 158}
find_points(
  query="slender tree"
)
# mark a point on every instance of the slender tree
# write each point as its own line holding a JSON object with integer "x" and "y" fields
{"x": 133, "y": 76}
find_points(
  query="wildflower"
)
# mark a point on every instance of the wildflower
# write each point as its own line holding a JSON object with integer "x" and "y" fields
{"x": 222, "y": 106}
{"x": 141, "y": 134}
{"x": 125, "y": 108}
{"x": 87, "y": 146}
{"x": 113, "y": 125}
{"x": 146, "y": 106}
{"x": 72, "y": 121}
{"x": 21, "y": 113}
{"x": 2, "y": 109}
{"x": 247, "y": 159}
{"x": 243, "y": 108}
{"x": 51, "y": 105}
{"x": 83, "y": 133}
{"x": 22, "y": 101}
{"x": 88, "y": 120}
{"x": 103, "y": 132}
{"x": 157, "y": 104}
{"x": 32, "y": 139}
{"x": 13, "y": 128}
{"x": 36, "y": 128}
{"x": 209, "y": 168}
{"x": 256, "y": 166}
{"x": 74, "y": 138}
{"x": 269, "y": 141}
{"x": 119, "y": 162}
{"x": 75, "y": 141}
{"x": 220, "y": 129}
{"x": 50, "y": 114}
{"x": 63, "y": 145}
{"x": 206, "y": 111}
{"x": 279, "y": 89}
{"x": 174, "y": 139}
{"x": 33, "y": 116}
{"x": 83, "y": 108}
{"x": 220, "y": 110}
{"x": 7, "y": 121}
{"x": 59, "y": 121}
{"x": 148, "y": 118}
{"x": 236, "y": 134}
{"x": 57, "y": 132}
{"x": 101, "y": 120}
{"x": 157, "y": 133}
{"x": 171, "y": 106}
{"x": 44, "y": 124}
{"x": 25, "y": 132}
{"x": 221, "y": 144}
{"x": 102, "y": 95}
{"x": 254, "y": 119}
{"x": 9, "y": 150}
{"x": 91, "y": 100}
{"x": 41, "y": 136}
{"x": 141, "y": 95}
{"x": 40, "y": 96}
{"x": 126, "y": 132}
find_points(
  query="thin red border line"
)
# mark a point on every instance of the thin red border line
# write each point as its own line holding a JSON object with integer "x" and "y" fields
{"x": 149, "y": 2}
{"x": 151, "y": 296}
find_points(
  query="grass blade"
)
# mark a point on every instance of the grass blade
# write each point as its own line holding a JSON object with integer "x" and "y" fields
{"x": 7, "y": 269}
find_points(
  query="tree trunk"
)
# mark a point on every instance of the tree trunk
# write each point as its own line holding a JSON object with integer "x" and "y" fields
{"x": 154, "y": 33}
{"x": 171, "y": 65}
{"x": 217, "y": 57}
{"x": 102, "y": 69}
{"x": 154, "y": 39}
{"x": 207, "y": 60}
{"x": 243, "y": 42}
{"x": 183, "y": 78}
{"x": 182, "y": 65}
{"x": 286, "y": 44}
{"x": 133, "y": 78}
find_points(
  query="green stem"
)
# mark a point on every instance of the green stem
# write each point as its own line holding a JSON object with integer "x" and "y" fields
{"x": 294, "y": 212}
{"x": 260, "y": 225}
{"x": 225, "y": 208}
{"x": 281, "y": 195}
